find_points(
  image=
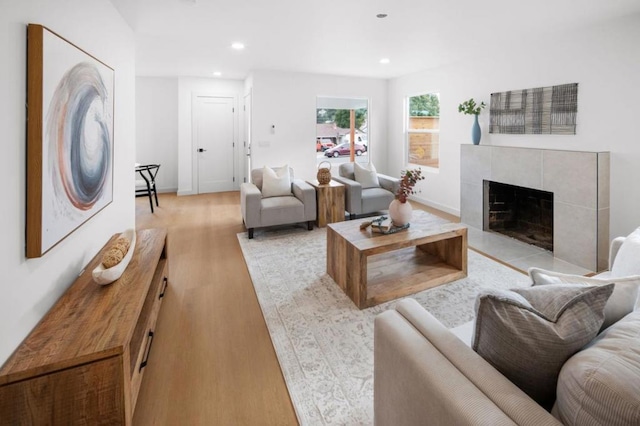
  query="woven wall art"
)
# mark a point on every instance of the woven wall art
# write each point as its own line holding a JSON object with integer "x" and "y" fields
{"x": 543, "y": 110}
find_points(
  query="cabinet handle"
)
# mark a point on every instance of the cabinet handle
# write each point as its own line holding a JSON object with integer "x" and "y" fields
{"x": 165, "y": 282}
{"x": 143, "y": 364}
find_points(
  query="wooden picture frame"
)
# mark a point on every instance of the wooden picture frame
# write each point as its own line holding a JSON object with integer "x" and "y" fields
{"x": 70, "y": 121}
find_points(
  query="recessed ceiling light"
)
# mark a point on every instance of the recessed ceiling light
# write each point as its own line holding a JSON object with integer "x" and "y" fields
{"x": 381, "y": 15}
{"x": 384, "y": 61}
{"x": 217, "y": 73}
{"x": 238, "y": 46}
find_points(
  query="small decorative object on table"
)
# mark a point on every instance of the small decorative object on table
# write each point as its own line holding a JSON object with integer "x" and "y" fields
{"x": 383, "y": 225}
{"x": 470, "y": 107}
{"x": 400, "y": 210}
{"x": 324, "y": 174}
{"x": 116, "y": 258}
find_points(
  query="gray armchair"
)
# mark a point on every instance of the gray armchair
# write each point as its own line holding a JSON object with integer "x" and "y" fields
{"x": 259, "y": 212}
{"x": 360, "y": 200}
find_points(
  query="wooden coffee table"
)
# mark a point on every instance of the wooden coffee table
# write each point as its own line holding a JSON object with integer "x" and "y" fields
{"x": 373, "y": 268}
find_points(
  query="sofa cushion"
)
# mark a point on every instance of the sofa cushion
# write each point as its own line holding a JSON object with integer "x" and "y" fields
{"x": 366, "y": 175}
{"x": 276, "y": 182}
{"x": 623, "y": 300}
{"x": 527, "y": 334}
{"x": 279, "y": 210}
{"x": 375, "y": 199}
{"x": 600, "y": 385}
{"x": 628, "y": 258}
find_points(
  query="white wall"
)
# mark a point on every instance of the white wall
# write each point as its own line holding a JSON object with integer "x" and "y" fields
{"x": 157, "y": 128}
{"x": 187, "y": 87}
{"x": 30, "y": 287}
{"x": 288, "y": 101}
{"x": 603, "y": 59}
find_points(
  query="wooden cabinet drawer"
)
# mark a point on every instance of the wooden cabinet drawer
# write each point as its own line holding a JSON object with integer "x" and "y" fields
{"x": 144, "y": 334}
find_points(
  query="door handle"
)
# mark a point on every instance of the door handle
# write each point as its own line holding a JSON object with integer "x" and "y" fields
{"x": 201, "y": 150}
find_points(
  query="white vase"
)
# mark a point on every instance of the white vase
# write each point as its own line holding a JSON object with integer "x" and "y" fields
{"x": 400, "y": 213}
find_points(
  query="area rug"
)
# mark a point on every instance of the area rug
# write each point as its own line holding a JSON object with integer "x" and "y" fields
{"x": 324, "y": 343}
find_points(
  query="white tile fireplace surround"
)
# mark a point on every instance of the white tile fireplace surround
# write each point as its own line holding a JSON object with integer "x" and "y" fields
{"x": 579, "y": 182}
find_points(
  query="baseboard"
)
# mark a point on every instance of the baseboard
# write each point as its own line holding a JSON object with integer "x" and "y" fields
{"x": 165, "y": 190}
{"x": 189, "y": 192}
{"x": 446, "y": 209}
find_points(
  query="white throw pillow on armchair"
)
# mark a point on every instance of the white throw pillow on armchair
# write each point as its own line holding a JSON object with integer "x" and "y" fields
{"x": 276, "y": 182}
{"x": 366, "y": 175}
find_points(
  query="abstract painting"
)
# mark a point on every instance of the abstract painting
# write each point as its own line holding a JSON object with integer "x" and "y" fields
{"x": 70, "y": 111}
{"x": 543, "y": 110}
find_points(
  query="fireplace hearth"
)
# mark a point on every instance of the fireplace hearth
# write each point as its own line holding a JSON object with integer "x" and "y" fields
{"x": 525, "y": 214}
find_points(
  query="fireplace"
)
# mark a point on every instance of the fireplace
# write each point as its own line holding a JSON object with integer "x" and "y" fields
{"x": 579, "y": 181}
{"x": 525, "y": 214}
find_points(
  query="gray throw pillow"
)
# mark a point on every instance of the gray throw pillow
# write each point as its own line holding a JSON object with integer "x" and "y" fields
{"x": 527, "y": 334}
{"x": 623, "y": 300}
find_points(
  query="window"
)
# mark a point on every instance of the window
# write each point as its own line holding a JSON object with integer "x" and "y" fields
{"x": 423, "y": 130}
{"x": 333, "y": 129}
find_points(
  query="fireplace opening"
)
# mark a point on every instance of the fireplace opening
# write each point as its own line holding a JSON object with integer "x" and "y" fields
{"x": 522, "y": 213}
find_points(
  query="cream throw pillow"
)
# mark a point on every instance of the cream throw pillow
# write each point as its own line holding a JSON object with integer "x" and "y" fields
{"x": 527, "y": 334}
{"x": 366, "y": 175}
{"x": 627, "y": 261}
{"x": 276, "y": 182}
{"x": 623, "y": 300}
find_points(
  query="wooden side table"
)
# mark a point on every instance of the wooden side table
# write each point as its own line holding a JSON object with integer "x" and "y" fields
{"x": 329, "y": 202}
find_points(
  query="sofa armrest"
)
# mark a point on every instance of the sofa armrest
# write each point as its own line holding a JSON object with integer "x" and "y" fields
{"x": 250, "y": 200}
{"x": 424, "y": 374}
{"x": 352, "y": 194}
{"x": 389, "y": 183}
{"x": 307, "y": 194}
{"x": 616, "y": 243}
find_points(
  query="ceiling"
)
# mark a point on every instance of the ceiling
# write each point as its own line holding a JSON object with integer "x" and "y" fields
{"x": 341, "y": 37}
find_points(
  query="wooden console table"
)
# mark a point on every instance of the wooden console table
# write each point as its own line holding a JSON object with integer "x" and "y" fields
{"x": 372, "y": 268}
{"x": 329, "y": 202}
{"x": 83, "y": 363}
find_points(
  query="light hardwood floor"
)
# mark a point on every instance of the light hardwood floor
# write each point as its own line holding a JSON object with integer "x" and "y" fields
{"x": 212, "y": 362}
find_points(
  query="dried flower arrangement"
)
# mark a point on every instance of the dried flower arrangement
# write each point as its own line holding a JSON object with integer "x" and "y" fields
{"x": 408, "y": 179}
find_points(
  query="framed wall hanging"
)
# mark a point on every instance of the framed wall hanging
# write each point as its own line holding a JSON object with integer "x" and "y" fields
{"x": 70, "y": 111}
{"x": 543, "y": 110}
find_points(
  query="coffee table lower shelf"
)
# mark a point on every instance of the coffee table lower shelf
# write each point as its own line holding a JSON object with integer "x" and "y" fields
{"x": 399, "y": 273}
{"x": 372, "y": 269}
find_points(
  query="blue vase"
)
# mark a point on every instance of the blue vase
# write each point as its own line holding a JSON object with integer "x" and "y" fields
{"x": 476, "y": 134}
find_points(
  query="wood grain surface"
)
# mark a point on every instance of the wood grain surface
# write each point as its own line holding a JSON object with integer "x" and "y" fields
{"x": 212, "y": 361}
{"x": 372, "y": 268}
{"x": 80, "y": 364}
{"x": 329, "y": 202}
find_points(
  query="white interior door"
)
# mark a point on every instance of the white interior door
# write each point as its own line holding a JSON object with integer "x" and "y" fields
{"x": 214, "y": 143}
{"x": 247, "y": 137}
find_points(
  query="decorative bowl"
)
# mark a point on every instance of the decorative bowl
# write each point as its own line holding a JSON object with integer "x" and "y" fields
{"x": 104, "y": 276}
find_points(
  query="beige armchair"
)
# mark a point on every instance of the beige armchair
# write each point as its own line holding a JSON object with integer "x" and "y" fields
{"x": 359, "y": 200}
{"x": 258, "y": 211}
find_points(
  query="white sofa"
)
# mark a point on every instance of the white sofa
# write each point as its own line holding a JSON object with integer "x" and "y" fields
{"x": 425, "y": 374}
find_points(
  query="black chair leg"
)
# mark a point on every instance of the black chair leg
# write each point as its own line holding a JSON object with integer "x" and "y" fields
{"x": 150, "y": 199}
{"x": 250, "y": 232}
{"x": 352, "y": 216}
{"x": 310, "y": 225}
{"x": 155, "y": 193}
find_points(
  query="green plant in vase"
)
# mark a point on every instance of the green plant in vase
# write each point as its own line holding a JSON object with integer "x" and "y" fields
{"x": 470, "y": 107}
